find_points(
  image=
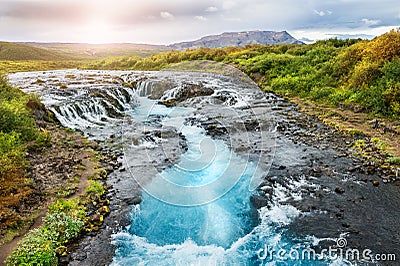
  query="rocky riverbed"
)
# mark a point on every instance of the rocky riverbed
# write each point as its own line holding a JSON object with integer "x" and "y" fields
{"x": 305, "y": 167}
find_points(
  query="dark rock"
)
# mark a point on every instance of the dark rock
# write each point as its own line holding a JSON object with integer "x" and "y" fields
{"x": 258, "y": 201}
{"x": 186, "y": 91}
{"x": 339, "y": 190}
{"x": 133, "y": 201}
{"x": 345, "y": 225}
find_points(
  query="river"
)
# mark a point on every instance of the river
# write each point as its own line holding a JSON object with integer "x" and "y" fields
{"x": 218, "y": 183}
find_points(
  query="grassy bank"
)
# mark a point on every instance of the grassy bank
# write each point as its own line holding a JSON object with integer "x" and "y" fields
{"x": 41, "y": 163}
{"x": 18, "y": 133}
{"x": 63, "y": 223}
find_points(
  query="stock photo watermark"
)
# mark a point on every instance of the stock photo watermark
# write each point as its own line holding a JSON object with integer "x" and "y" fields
{"x": 338, "y": 252}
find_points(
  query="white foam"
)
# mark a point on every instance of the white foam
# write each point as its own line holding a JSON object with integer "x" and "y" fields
{"x": 279, "y": 214}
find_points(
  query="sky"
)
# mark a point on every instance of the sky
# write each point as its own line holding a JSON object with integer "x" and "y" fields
{"x": 170, "y": 21}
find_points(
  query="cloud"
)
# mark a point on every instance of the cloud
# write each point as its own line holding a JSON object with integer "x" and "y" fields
{"x": 232, "y": 19}
{"x": 215, "y": 9}
{"x": 44, "y": 11}
{"x": 227, "y": 5}
{"x": 51, "y": 20}
{"x": 371, "y": 22}
{"x": 201, "y": 18}
{"x": 323, "y": 13}
{"x": 319, "y": 13}
{"x": 166, "y": 15}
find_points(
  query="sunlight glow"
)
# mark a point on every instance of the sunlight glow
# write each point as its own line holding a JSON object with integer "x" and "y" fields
{"x": 97, "y": 31}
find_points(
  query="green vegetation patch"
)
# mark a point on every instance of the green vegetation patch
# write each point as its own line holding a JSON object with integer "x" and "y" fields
{"x": 358, "y": 73}
{"x": 64, "y": 222}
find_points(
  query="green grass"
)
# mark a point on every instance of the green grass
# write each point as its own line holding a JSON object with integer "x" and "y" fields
{"x": 394, "y": 161}
{"x": 94, "y": 189}
{"x": 9, "y": 66}
{"x": 356, "y": 73}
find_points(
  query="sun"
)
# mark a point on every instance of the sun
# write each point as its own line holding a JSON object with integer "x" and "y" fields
{"x": 97, "y": 31}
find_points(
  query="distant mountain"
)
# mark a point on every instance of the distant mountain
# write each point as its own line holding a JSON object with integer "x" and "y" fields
{"x": 17, "y": 51}
{"x": 352, "y": 36}
{"x": 340, "y": 37}
{"x": 238, "y": 39}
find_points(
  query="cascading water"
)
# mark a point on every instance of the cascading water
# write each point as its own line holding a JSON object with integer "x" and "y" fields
{"x": 177, "y": 219}
{"x": 198, "y": 211}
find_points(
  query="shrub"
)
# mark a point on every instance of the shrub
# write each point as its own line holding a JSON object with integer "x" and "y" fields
{"x": 37, "y": 248}
{"x": 392, "y": 99}
{"x": 364, "y": 73}
{"x": 391, "y": 71}
{"x": 63, "y": 226}
{"x": 318, "y": 93}
{"x": 14, "y": 115}
{"x": 293, "y": 86}
{"x": 384, "y": 47}
{"x": 347, "y": 59}
{"x": 11, "y": 154}
{"x": 394, "y": 160}
{"x": 95, "y": 189}
{"x": 72, "y": 207}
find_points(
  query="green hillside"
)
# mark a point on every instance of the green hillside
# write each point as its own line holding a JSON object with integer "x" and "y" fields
{"x": 361, "y": 74}
{"x": 17, "y": 52}
{"x": 98, "y": 51}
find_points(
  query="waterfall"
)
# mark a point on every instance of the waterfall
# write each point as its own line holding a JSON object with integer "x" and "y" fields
{"x": 199, "y": 209}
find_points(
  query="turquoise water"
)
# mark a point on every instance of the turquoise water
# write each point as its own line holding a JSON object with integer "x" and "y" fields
{"x": 198, "y": 212}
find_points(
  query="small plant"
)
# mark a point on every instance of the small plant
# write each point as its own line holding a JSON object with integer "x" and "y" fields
{"x": 394, "y": 161}
{"x": 70, "y": 130}
{"x": 64, "y": 227}
{"x": 95, "y": 189}
{"x": 359, "y": 143}
{"x": 380, "y": 144}
{"x": 66, "y": 191}
{"x": 72, "y": 207}
{"x": 40, "y": 246}
{"x": 43, "y": 139}
{"x": 355, "y": 133}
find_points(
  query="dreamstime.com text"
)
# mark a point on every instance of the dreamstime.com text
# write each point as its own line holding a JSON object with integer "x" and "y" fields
{"x": 338, "y": 252}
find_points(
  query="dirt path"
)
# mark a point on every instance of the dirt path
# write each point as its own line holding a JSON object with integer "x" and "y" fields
{"x": 71, "y": 158}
